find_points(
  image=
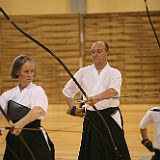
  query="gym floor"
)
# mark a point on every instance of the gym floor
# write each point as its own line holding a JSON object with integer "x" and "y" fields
{"x": 65, "y": 131}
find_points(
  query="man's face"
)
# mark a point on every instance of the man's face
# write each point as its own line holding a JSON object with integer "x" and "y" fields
{"x": 99, "y": 54}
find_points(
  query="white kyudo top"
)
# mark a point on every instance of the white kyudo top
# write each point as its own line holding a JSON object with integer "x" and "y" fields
{"x": 94, "y": 83}
{"x": 153, "y": 116}
{"x": 30, "y": 97}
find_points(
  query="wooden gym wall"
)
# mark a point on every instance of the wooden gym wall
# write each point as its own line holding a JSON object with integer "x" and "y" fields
{"x": 133, "y": 50}
{"x": 60, "y": 33}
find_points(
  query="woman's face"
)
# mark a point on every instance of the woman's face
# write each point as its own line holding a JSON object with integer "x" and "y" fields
{"x": 26, "y": 73}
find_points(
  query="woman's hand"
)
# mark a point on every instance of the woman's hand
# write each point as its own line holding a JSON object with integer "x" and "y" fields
{"x": 17, "y": 128}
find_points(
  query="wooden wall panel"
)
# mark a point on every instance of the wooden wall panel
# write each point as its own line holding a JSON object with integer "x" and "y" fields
{"x": 60, "y": 33}
{"x": 133, "y": 50}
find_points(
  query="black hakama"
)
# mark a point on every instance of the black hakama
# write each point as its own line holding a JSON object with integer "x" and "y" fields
{"x": 42, "y": 150}
{"x": 156, "y": 156}
{"x": 95, "y": 144}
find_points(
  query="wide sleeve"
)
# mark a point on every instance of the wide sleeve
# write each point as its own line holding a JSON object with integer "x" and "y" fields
{"x": 4, "y": 100}
{"x": 146, "y": 120}
{"x": 39, "y": 98}
{"x": 71, "y": 89}
{"x": 115, "y": 80}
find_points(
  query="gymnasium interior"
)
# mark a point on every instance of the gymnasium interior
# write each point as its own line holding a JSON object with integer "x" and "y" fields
{"x": 67, "y": 28}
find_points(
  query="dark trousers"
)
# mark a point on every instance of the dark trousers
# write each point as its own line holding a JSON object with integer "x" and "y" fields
{"x": 16, "y": 150}
{"x": 96, "y": 142}
{"x": 156, "y": 156}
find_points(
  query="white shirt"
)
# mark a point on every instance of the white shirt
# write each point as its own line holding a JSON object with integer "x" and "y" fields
{"x": 94, "y": 83}
{"x": 152, "y": 117}
{"x": 30, "y": 97}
